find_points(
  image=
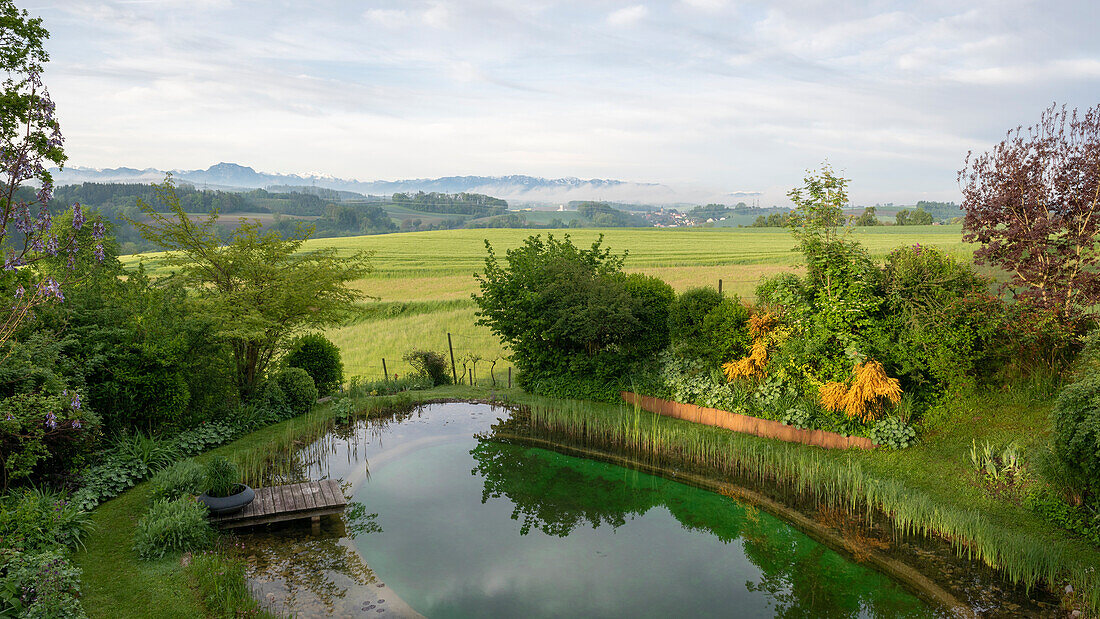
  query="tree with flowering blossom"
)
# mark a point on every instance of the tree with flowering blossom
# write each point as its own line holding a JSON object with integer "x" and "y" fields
{"x": 30, "y": 140}
{"x": 41, "y": 415}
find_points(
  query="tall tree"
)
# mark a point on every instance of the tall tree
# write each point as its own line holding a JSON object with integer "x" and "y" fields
{"x": 264, "y": 288}
{"x": 1033, "y": 202}
{"x": 30, "y": 141}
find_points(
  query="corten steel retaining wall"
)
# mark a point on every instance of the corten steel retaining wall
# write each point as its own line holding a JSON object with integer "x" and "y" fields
{"x": 748, "y": 425}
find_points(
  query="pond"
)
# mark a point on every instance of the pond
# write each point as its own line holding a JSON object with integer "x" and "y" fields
{"x": 453, "y": 524}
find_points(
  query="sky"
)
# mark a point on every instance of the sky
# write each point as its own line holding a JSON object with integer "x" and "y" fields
{"x": 722, "y": 95}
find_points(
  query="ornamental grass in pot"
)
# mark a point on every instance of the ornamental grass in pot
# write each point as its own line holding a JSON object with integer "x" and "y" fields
{"x": 225, "y": 494}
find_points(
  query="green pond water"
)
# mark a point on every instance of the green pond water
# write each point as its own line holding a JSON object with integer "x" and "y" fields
{"x": 452, "y": 525}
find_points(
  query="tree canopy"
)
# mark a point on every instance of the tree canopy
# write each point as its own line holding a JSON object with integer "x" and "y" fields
{"x": 262, "y": 288}
{"x": 1033, "y": 202}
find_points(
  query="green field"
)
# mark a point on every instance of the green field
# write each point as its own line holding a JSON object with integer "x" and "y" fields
{"x": 423, "y": 280}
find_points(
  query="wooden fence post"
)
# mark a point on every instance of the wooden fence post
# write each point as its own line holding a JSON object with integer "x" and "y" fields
{"x": 454, "y": 374}
{"x": 385, "y": 372}
{"x": 509, "y": 377}
{"x": 719, "y": 286}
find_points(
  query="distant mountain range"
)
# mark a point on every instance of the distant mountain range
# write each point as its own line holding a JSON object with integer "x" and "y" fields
{"x": 514, "y": 188}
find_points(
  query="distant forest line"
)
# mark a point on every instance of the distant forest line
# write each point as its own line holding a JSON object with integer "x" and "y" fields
{"x": 334, "y": 213}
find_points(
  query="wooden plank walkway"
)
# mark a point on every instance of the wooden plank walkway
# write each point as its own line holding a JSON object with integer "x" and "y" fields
{"x": 291, "y": 502}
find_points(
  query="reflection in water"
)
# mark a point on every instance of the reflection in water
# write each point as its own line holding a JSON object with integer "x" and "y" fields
{"x": 309, "y": 574}
{"x": 556, "y": 494}
{"x": 455, "y": 524}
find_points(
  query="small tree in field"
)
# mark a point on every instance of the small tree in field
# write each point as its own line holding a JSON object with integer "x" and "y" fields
{"x": 263, "y": 288}
{"x": 1033, "y": 202}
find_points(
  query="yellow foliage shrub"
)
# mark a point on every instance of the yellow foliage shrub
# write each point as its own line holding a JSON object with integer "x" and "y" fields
{"x": 751, "y": 365}
{"x": 866, "y": 397}
{"x": 760, "y": 324}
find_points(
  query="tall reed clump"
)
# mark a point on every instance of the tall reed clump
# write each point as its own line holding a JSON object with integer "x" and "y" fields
{"x": 221, "y": 584}
{"x": 840, "y": 484}
{"x": 280, "y": 453}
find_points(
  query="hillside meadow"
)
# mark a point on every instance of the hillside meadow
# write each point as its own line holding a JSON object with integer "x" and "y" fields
{"x": 422, "y": 281}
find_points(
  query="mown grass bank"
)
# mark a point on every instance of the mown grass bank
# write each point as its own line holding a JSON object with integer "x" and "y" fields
{"x": 117, "y": 584}
{"x": 928, "y": 489}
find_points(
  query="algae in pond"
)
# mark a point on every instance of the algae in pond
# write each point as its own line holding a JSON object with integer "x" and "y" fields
{"x": 555, "y": 494}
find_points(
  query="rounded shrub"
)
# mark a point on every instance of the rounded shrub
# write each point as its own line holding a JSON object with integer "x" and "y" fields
{"x": 320, "y": 358}
{"x": 298, "y": 388}
{"x": 725, "y": 330}
{"x": 172, "y": 526}
{"x": 431, "y": 364}
{"x": 653, "y": 299}
{"x": 184, "y": 478}
{"x": 1076, "y": 435}
{"x": 685, "y": 317}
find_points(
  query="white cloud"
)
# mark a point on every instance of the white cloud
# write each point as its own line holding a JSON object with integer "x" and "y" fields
{"x": 707, "y": 5}
{"x": 424, "y": 88}
{"x": 628, "y": 16}
{"x": 389, "y": 18}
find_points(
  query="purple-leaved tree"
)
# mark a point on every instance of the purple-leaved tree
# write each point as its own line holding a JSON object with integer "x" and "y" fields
{"x": 30, "y": 140}
{"x": 1033, "y": 202}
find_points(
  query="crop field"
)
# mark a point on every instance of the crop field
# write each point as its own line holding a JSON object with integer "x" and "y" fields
{"x": 422, "y": 281}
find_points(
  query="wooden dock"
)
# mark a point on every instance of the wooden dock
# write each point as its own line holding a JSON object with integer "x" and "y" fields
{"x": 291, "y": 502}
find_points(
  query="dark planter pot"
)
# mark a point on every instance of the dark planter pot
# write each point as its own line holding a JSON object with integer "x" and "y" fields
{"x": 226, "y": 505}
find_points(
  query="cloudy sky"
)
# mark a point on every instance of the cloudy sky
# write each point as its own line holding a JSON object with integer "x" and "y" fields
{"x": 724, "y": 95}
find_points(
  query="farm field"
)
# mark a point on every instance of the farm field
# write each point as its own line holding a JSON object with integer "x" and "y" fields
{"x": 422, "y": 281}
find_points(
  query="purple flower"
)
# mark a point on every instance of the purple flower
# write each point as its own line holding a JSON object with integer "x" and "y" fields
{"x": 78, "y": 216}
{"x": 98, "y": 252}
{"x": 19, "y": 292}
{"x": 98, "y": 230}
{"x": 51, "y": 420}
{"x": 75, "y": 401}
{"x": 76, "y": 423}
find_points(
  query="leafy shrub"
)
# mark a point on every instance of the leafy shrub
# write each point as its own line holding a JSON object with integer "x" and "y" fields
{"x": 653, "y": 301}
{"x": 35, "y": 520}
{"x": 1076, "y": 433}
{"x": 184, "y": 478}
{"x": 42, "y": 585}
{"x": 577, "y": 326}
{"x": 725, "y": 331}
{"x": 894, "y": 433}
{"x": 172, "y": 526}
{"x": 320, "y": 358}
{"x": 273, "y": 399}
{"x": 44, "y": 426}
{"x": 784, "y": 290}
{"x": 919, "y": 280}
{"x": 221, "y": 477}
{"x": 685, "y": 320}
{"x": 297, "y": 385}
{"x": 431, "y": 364}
